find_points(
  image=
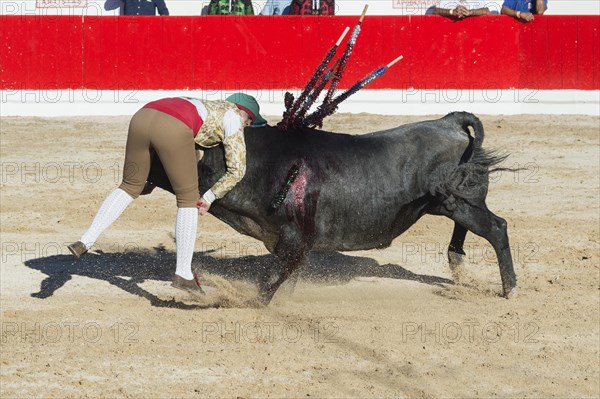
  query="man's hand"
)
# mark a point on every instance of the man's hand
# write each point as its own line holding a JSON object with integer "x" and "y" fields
{"x": 202, "y": 206}
{"x": 525, "y": 16}
{"x": 461, "y": 12}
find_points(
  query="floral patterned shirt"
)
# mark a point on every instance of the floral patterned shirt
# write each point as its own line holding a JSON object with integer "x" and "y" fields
{"x": 223, "y": 124}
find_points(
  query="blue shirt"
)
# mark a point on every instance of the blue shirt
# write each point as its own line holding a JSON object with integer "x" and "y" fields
{"x": 522, "y": 5}
{"x": 145, "y": 7}
{"x": 276, "y": 7}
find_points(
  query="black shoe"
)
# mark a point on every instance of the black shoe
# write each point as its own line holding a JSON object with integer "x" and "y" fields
{"x": 78, "y": 249}
{"x": 191, "y": 286}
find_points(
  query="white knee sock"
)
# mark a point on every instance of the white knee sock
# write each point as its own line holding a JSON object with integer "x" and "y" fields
{"x": 109, "y": 211}
{"x": 185, "y": 236}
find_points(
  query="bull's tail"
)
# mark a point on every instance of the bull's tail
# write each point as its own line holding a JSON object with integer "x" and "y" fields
{"x": 474, "y": 122}
{"x": 469, "y": 180}
{"x": 467, "y": 120}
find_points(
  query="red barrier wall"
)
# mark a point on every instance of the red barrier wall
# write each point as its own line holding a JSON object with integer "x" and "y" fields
{"x": 212, "y": 53}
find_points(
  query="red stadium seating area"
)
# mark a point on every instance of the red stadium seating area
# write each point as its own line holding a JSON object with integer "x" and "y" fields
{"x": 229, "y": 53}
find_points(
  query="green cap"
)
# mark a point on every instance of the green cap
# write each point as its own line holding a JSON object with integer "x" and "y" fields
{"x": 248, "y": 104}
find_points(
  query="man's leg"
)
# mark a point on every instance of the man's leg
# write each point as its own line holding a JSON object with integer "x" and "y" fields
{"x": 174, "y": 145}
{"x": 135, "y": 172}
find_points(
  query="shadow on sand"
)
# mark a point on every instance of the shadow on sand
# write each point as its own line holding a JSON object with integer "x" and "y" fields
{"x": 127, "y": 270}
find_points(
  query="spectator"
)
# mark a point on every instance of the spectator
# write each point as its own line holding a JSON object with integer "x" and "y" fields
{"x": 230, "y": 7}
{"x": 461, "y": 9}
{"x": 145, "y": 7}
{"x": 312, "y": 7}
{"x": 523, "y": 10}
{"x": 276, "y": 7}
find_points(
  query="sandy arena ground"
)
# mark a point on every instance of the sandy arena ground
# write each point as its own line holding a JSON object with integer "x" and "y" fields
{"x": 377, "y": 323}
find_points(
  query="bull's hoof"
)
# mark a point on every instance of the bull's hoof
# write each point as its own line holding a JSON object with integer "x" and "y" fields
{"x": 256, "y": 303}
{"x": 511, "y": 293}
{"x": 289, "y": 286}
{"x": 455, "y": 260}
{"x": 264, "y": 298}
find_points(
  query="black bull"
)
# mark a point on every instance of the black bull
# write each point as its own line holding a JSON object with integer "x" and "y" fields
{"x": 355, "y": 192}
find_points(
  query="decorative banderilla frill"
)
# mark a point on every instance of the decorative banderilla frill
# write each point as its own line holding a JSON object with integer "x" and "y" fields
{"x": 289, "y": 118}
{"x": 316, "y": 118}
{"x": 285, "y": 187}
{"x": 295, "y": 110}
{"x": 312, "y": 96}
{"x": 294, "y": 115}
{"x": 345, "y": 57}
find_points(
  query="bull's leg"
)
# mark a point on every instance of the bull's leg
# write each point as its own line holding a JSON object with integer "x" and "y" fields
{"x": 290, "y": 284}
{"x": 290, "y": 253}
{"x": 456, "y": 252}
{"x": 481, "y": 221}
{"x": 273, "y": 273}
{"x": 288, "y": 264}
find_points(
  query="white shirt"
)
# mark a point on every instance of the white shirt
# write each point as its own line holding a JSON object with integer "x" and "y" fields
{"x": 469, "y": 4}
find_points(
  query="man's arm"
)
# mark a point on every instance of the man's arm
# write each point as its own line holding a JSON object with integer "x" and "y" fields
{"x": 540, "y": 7}
{"x": 521, "y": 16}
{"x": 444, "y": 12}
{"x": 235, "y": 163}
{"x": 460, "y": 12}
{"x": 234, "y": 145}
{"x": 162, "y": 7}
{"x": 479, "y": 11}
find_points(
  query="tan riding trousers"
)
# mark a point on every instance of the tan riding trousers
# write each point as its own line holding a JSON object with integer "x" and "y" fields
{"x": 152, "y": 131}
